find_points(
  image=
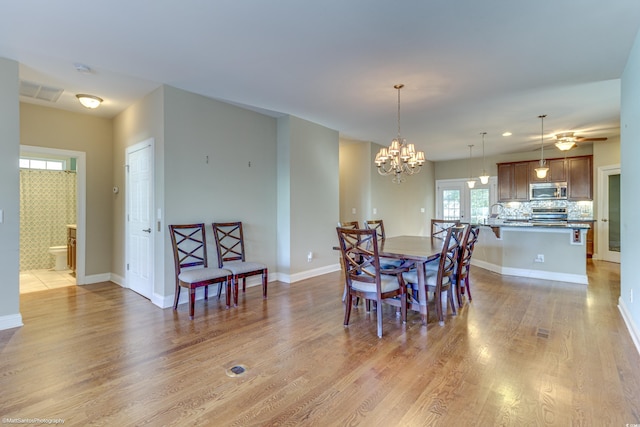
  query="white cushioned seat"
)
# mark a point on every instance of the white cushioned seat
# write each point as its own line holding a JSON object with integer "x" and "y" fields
{"x": 239, "y": 267}
{"x": 431, "y": 277}
{"x": 387, "y": 283}
{"x": 201, "y": 274}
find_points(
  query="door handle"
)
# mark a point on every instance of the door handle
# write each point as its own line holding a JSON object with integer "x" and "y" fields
{"x": 148, "y": 230}
{"x": 604, "y": 220}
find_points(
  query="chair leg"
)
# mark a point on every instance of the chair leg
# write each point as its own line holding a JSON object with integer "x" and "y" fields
{"x": 264, "y": 283}
{"x": 244, "y": 285}
{"x": 206, "y": 292}
{"x": 468, "y": 287}
{"x": 234, "y": 284}
{"x": 192, "y": 302}
{"x": 451, "y": 300}
{"x": 227, "y": 292}
{"x": 347, "y": 309}
{"x": 219, "y": 290}
{"x": 437, "y": 296}
{"x": 177, "y": 297}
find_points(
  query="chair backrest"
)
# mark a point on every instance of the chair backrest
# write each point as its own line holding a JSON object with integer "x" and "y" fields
{"x": 449, "y": 255}
{"x": 378, "y": 226}
{"x": 229, "y": 241}
{"x": 466, "y": 250}
{"x": 189, "y": 246}
{"x": 439, "y": 227}
{"x": 349, "y": 224}
{"x": 359, "y": 249}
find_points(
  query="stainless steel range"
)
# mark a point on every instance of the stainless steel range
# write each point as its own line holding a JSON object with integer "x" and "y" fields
{"x": 549, "y": 216}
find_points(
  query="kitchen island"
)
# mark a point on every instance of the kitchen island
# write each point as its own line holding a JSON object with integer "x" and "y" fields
{"x": 551, "y": 251}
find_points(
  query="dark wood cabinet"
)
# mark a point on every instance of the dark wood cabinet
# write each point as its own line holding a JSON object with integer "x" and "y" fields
{"x": 557, "y": 171}
{"x": 590, "y": 241}
{"x": 580, "y": 178}
{"x": 513, "y": 182}
{"x": 577, "y": 172}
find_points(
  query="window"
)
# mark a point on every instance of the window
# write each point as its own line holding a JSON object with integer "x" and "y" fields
{"x": 456, "y": 201}
{"x": 47, "y": 164}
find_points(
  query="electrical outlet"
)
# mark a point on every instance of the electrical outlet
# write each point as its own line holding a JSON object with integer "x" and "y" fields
{"x": 539, "y": 258}
{"x": 375, "y": 211}
{"x": 353, "y": 211}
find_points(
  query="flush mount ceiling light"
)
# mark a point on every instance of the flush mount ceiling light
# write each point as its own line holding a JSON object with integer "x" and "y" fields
{"x": 541, "y": 171}
{"x": 399, "y": 158}
{"x": 89, "y": 101}
{"x": 484, "y": 178}
{"x": 566, "y": 141}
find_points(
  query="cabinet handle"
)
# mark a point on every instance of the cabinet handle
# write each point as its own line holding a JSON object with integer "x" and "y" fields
{"x": 148, "y": 230}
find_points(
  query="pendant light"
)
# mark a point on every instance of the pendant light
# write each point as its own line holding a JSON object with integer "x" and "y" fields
{"x": 541, "y": 171}
{"x": 471, "y": 182}
{"x": 484, "y": 178}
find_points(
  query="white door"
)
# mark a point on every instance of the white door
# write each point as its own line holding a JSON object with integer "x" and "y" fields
{"x": 608, "y": 224}
{"x": 139, "y": 211}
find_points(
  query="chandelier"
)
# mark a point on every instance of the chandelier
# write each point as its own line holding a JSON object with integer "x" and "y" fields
{"x": 399, "y": 158}
{"x": 542, "y": 169}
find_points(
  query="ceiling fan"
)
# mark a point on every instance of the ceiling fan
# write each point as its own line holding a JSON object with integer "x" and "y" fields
{"x": 567, "y": 140}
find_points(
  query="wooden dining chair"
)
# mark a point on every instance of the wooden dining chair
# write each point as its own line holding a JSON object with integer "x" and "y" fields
{"x": 189, "y": 245}
{"x": 349, "y": 224}
{"x": 364, "y": 277}
{"x": 353, "y": 225}
{"x": 440, "y": 281}
{"x": 378, "y": 226}
{"x": 231, "y": 256}
{"x": 461, "y": 277}
{"x": 439, "y": 227}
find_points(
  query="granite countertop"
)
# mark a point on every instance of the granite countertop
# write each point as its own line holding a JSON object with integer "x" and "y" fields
{"x": 571, "y": 224}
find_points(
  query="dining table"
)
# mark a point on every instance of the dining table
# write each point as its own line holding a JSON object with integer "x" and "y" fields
{"x": 418, "y": 250}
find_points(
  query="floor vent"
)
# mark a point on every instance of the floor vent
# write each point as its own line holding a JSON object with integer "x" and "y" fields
{"x": 236, "y": 371}
{"x": 38, "y": 91}
{"x": 543, "y": 333}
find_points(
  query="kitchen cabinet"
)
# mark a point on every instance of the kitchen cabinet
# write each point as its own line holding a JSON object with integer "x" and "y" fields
{"x": 513, "y": 182}
{"x": 557, "y": 171}
{"x": 580, "y": 178}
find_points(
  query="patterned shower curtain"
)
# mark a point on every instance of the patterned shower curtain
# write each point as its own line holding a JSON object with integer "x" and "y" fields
{"x": 47, "y": 205}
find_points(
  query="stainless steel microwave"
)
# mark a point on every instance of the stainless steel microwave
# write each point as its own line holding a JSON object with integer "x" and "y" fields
{"x": 548, "y": 191}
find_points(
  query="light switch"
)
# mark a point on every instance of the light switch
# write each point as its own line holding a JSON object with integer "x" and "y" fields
{"x": 1, "y": 216}
{"x": 421, "y": 210}
{"x": 353, "y": 211}
{"x": 375, "y": 211}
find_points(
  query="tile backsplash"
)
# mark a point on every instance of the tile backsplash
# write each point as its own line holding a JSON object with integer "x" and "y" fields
{"x": 582, "y": 210}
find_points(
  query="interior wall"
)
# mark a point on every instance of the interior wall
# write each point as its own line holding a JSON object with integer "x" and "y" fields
{"x": 9, "y": 196}
{"x": 629, "y": 201}
{"x": 220, "y": 165}
{"x": 314, "y": 194}
{"x": 355, "y": 183}
{"x": 139, "y": 122}
{"x": 53, "y": 128}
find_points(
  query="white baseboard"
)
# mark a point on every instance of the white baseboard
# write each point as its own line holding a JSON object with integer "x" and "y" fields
{"x": 96, "y": 278}
{"x": 631, "y": 326}
{"x": 10, "y": 321}
{"x": 534, "y": 274}
{"x": 308, "y": 274}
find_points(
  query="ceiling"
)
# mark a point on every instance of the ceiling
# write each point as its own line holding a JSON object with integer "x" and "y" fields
{"x": 468, "y": 66}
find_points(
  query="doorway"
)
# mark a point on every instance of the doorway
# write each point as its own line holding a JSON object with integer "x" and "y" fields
{"x": 43, "y": 279}
{"x": 608, "y": 224}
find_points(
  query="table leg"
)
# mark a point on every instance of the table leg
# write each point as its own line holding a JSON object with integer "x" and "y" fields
{"x": 422, "y": 292}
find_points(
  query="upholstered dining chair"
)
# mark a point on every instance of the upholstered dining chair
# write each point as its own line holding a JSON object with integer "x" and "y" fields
{"x": 349, "y": 224}
{"x": 439, "y": 227}
{"x": 353, "y": 225}
{"x": 378, "y": 226}
{"x": 440, "y": 281}
{"x": 461, "y": 276}
{"x": 191, "y": 266}
{"x": 231, "y": 256}
{"x": 364, "y": 277}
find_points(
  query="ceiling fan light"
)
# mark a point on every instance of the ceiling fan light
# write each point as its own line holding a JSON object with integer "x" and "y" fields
{"x": 89, "y": 101}
{"x": 565, "y": 145}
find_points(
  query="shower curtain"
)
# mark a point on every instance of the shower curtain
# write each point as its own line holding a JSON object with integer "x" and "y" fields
{"x": 47, "y": 205}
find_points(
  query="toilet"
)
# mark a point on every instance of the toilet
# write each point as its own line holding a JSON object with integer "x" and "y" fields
{"x": 60, "y": 252}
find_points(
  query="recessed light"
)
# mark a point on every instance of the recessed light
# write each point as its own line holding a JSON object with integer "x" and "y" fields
{"x": 507, "y": 134}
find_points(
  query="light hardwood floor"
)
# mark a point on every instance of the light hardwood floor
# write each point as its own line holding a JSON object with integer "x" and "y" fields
{"x": 524, "y": 352}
